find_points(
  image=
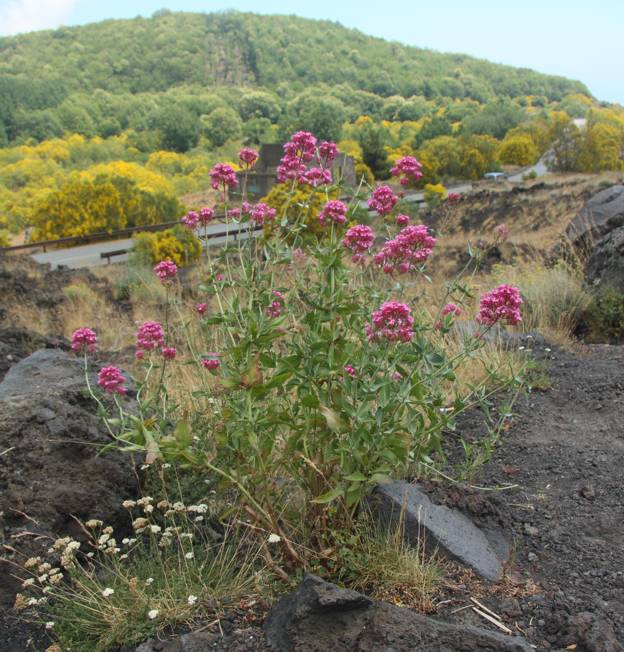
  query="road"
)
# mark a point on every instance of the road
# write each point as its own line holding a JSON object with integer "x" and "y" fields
{"x": 89, "y": 255}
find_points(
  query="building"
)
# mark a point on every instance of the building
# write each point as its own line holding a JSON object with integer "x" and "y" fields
{"x": 264, "y": 175}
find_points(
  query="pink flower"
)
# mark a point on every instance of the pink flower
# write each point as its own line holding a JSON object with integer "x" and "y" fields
{"x": 223, "y": 175}
{"x": 201, "y": 308}
{"x": 84, "y": 339}
{"x": 276, "y": 307}
{"x": 396, "y": 376}
{"x": 262, "y": 213}
{"x": 501, "y": 303}
{"x": 150, "y": 336}
{"x": 382, "y": 200}
{"x": 248, "y": 157}
{"x": 298, "y": 151}
{"x": 359, "y": 239}
{"x": 350, "y": 369}
{"x": 449, "y": 309}
{"x": 219, "y": 277}
{"x": 166, "y": 270}
{"x": 190, "y": 220}
{"x": 327, "y": 153}
{"x": 393, "y": 322}
{"x": 234, "y": 213}
{"x": 501, "y": 232}
{"x": 334, "y": 210}
{"x": 206, "y": 214}
{"x": 169, "y": 352}
{"x": 453, "y": 197}
{"x": 111, "y": 380}
{"x": 212, "y": 363}
{"x": 411, "y": 248}
{"x": 408, "y": 168}
{"x": 299, "y": 256}
{"x": 402, "y": 220}
{"x": 139, "y": 355}
{"x": 316, "y": 177}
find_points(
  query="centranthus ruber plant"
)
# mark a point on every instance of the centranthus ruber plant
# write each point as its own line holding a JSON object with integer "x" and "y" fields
{"x": 315, "y": 380}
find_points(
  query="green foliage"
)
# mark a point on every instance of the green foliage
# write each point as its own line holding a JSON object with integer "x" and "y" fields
{"x": 518, "y": 150}
{"x": 178, "y": 245}
{"x": 106, "y": 202}
{"x": 221, "y": 125}
{"x": 117, "y": 72}
{"x": 321, "y": 115}
{"x": 606, "y": 314}
{"x": 494, "y": 119}
{"x": 178, "y": 127}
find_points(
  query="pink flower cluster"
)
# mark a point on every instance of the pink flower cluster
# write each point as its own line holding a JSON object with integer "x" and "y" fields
{"x": 261, "y": 213}
{"x": 248, "y": 157}
{"x": 223, "y": 176}
{"x": 316, "y": 177}
{"x": 402, "y": 220}
{"x": 501, "y": 303}
{"x": 453, "y": 197}
{"x": 150, "y": 336}
{"x": 359, "y": 239}
{"x": 169, "y": 352}
{"x": 84, "y": 339}
{"x": 166, "y": 270}
{"x": 411, "y": 247}
{"x": 327, "y": 153}
{"x": 393, "y": 322}
{"x": 277, "y": 305}
{"x": 501, "y": 232}
{"x": 111, "y": 380}
{"x": 350, "y": 369}
{"x": 201, "y": 308}
{"x": 382, "y": 200}
{"x": 190, "y": 220}
{"x": 408, "y": 168}
{"x": 449, "y": 309}
{"x": 299, "y": 152}
{"x": 211, "y": 363}
{"x": 334, "y": 210}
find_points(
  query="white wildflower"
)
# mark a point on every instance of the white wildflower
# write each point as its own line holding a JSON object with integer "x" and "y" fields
{"x": 49, "y": 624}
{"x": 192, "y": 599}
{"x": 29, "y": 582}
{"x": 274, "y": 538}
{"x": 189, "y": 555}
{"x": 106, "y": 592}
{"x": 152, "y": 613}
{"x": 149, "y": 580}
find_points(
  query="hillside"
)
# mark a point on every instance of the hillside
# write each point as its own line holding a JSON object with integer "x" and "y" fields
{"x": 171, "y": 49}
{"x": 282, "y": 54}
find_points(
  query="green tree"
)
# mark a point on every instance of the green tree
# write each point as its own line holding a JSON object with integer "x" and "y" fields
{"x": 322, "y": 115}
{"x": 221, "y": 125}
{"x": 178, "y": 128}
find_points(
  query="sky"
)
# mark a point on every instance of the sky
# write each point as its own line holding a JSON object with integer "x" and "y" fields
{"x": 580, "y": 40}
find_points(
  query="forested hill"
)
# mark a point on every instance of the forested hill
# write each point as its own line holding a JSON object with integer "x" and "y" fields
{"x": 173, "y": 49}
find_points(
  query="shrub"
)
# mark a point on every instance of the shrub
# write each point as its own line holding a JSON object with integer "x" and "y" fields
{"x": 606, "y": 314}
{"x": 518, "y": 150}
{"x": 178, "y": 244}
{"x": 310, "y": 381}
{"x": 434, "y": 194}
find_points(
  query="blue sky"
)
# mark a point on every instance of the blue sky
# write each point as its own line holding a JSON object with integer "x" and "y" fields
{"x": 581, "y": 40}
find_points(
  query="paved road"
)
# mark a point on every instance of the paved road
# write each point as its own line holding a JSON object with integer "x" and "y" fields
{"x": 89, "y": 255}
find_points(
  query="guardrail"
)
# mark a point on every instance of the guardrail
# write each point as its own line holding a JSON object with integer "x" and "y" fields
{"x": 215, "y": 234}
{"x": 96, "y": 237}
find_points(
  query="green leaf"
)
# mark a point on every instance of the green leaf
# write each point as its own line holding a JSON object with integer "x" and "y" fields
{"x": 183, "y": 434}
{"x": 356, "y": 476}
{"x": 329, "y": 496}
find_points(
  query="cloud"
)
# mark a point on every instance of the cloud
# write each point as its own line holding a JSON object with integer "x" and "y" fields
{"x": 28, "y": 15}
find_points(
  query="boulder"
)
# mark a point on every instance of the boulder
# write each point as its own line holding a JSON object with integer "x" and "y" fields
{"x": 50, "y": 469}
{"x": 606, "y": 262}
{"x": 444, "y": 529}
{"x": 318, "y": 616}
{"x": 600, "y": 215}
{"x": 18, "y": 343}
